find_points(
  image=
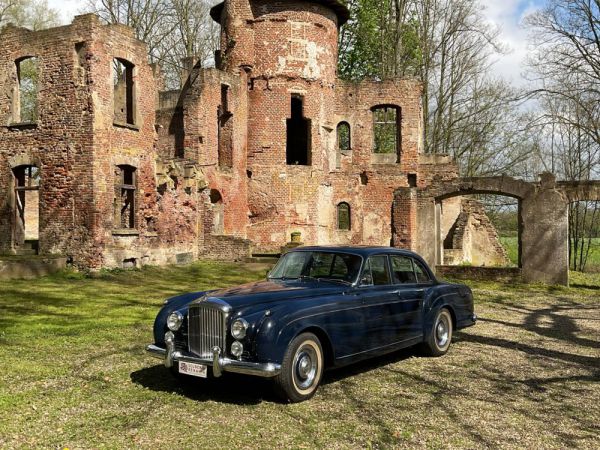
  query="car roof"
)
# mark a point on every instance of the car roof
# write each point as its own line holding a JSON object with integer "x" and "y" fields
{"x": 362, "y": 250}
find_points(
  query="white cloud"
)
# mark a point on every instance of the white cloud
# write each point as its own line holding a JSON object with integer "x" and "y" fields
{"x": 508, "y": 16}
{"x": 67, "y": 8}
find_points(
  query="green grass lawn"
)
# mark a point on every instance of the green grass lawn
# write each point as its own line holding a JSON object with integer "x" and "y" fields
{"x": 512, "y": 248}
{"x": 74, "y": 374}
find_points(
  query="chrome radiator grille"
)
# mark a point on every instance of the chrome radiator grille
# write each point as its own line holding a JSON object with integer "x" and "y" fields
{"x": 206, "y": 329}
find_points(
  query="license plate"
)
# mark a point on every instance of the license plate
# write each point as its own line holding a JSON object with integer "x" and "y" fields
{"x": 196, "y": 370}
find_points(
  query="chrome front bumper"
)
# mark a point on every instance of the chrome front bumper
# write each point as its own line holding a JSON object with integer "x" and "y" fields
{"x": 218, "y": 363}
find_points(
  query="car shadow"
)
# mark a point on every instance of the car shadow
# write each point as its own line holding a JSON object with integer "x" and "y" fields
{"x": 244, "y": 389}
{"x": 338, "y": 374}
{"x": 229, "y": 388}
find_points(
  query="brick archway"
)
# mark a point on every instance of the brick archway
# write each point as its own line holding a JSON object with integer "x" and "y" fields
{"x": 544, "y": 219}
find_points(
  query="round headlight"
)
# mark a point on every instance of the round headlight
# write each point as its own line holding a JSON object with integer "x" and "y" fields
{"x": 237, "y": 349}
{"x": 174, "y": 321}
{"x": 238, "y": 328}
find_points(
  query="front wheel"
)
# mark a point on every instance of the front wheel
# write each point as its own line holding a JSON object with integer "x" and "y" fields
{"x": 301, "y": 369}
{"x": 440, "y": 335}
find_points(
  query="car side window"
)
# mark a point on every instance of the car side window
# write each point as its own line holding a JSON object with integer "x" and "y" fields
{"x": 378, "y": 270}
{"x": 402, "y": 270}
{"x": 421, "y": 273}
{"x": 366, "y": 279}
{"x": 321, "y": 264}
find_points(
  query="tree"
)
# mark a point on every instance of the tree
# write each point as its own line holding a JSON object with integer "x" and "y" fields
{"x": 566, "y": 63}
{"x": 195, "y": 36}
{"x": 172, "y": 29}
{"x": 32, "y": 14}
{"x": 565, "y": 71}
{"x": 448, "y": 46}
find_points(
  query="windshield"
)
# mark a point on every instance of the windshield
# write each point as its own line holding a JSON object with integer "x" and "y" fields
{"x": 320, "y": 265}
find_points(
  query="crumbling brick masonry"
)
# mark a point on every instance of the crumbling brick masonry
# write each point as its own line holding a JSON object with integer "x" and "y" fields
{"x": 268, "y": 143}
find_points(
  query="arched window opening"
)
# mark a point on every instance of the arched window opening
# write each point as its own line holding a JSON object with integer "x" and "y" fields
{"x": 28, "y": 77}
{"x": 343, "y": 216}
{"x": 123, "y": 92}
{"x": 343, "y": 137}
{"x": 386, "y": 132}
{"x": 216, "y": 201}
{"x": 125, "y": 187}
{"x": 27, "y": 208}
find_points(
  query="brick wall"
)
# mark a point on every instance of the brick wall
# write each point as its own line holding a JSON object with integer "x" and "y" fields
{"x": 186, "y": 146}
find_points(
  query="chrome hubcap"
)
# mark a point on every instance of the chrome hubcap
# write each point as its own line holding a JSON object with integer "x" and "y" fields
{"x": 305, "y": 367}
{"x": 442, "y": 332}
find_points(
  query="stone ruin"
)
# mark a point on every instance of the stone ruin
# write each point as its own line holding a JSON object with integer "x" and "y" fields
{"x": 98, "y": 162}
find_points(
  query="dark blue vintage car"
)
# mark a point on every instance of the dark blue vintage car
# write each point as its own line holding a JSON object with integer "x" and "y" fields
{"x": 320, "y": 307}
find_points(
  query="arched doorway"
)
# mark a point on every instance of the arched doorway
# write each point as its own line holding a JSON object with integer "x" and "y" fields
{"x": 543, "y": 221}
{"x": 218, "y": 212}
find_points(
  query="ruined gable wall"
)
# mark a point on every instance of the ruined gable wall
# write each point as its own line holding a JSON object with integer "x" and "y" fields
{"x": 166, "y": 222}
{"x": 202, "y": 112}
{"x": 60, "y": 143}
{"x": 366, "y": 185}
{"x": 481, "y": 243}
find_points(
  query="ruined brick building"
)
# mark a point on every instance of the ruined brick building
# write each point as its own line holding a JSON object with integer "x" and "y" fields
{"x": 99, "y": 163}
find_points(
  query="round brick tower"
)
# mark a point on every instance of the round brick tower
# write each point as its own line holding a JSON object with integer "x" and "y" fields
{"x": 288, "y": 52}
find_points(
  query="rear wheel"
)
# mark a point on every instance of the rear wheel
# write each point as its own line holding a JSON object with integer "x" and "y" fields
{"x": 440, "y": 335}
{"x": 301, "y": 369}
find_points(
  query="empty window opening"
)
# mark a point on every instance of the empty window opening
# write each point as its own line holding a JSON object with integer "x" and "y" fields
{"x": 249, "y": 174}
{"x": 343, "y": 136}
{"x": 216, "y": 201}
{"x": 343, "y": 216}
{"x": 125, "y": 187}
{"x": 412, "y": 180}
{"x": 386, "y": 127}
{"x": 27, "y": 209}
{"x": 123, "y": 92}
{"x": 28, "y": 76}
{"x": 364, "y": 178}
{"x": 80, "y": 62}
{"x": 224, "y": 98}
{"x": 225, "y": 131}
{"x": 298, "y": 135}
{"x": 130, "y": 263}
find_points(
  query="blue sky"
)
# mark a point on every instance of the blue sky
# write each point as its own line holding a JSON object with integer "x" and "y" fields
{"x": 507, "y": 14}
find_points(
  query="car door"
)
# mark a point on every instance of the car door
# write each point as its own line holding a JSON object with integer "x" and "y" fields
{"x": 377, "y": 294}
{"x": 410, "y": 281}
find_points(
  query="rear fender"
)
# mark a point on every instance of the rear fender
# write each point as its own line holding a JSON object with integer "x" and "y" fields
{"x": 437, "y": 298}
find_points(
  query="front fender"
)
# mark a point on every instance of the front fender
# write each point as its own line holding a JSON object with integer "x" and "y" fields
{"x": 275, "y": 335}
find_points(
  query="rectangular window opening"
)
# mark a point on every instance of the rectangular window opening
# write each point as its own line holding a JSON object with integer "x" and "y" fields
{"x": 28, "y": 76}
{"x": 27, "y": 201}
{"x": 225, "y": 130}
{"x": 124, "y": 110}
{"x": 386, "y": 131}
{"x": 298, "y": 134}
{"x": 125, "y": 187}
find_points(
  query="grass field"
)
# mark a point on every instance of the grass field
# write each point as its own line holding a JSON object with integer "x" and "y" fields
{"x": 75, "y": 374}
{"x": 512, "y": 248}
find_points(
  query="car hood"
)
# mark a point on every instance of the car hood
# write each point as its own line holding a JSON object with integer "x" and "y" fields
{"x": 275, "y": 290}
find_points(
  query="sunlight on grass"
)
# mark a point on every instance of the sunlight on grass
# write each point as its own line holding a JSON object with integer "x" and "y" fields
{"x": 75, "y": 374}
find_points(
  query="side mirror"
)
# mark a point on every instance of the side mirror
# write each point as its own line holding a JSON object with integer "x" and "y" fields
{"x": 366, "y": 280}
